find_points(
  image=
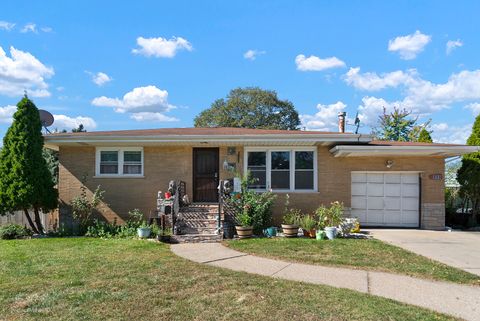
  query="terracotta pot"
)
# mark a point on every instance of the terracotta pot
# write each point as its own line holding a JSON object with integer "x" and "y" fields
{"x": 311, "y": 234}
{"x": 244, "y": 232}
{"x": 290, "y": 230}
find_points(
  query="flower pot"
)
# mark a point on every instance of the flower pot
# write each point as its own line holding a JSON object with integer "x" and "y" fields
{"x": 143, "y": 232}
{"x": 309, "y": 233}
{"x": 164, "y": 238}
{"x": 320, "y": 235}
{"x": 331, "y": 232}
{"x": 270, "y": 231}
{"x": 244, "y": 232}
{"x": 290, "y": 230}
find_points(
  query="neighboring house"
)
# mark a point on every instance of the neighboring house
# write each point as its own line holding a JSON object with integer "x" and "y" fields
{"x": 381, "y": 183}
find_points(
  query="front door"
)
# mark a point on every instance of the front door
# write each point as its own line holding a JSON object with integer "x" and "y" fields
{"x": 205, "y": 174}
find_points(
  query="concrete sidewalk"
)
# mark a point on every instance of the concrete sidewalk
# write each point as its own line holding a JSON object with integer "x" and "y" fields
{"x": 458, "y": 300}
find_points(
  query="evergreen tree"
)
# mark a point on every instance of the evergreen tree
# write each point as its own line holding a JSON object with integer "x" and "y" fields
{"x": 424, "y": 136}
{"x": 396, "y": 126}
{"x": 469, "y": 173}
{"x": 25, "y": 180}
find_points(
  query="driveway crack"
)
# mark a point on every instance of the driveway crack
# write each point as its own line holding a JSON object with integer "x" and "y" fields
{"x": 286, "y": 266}
{"x": 224, "y": 258}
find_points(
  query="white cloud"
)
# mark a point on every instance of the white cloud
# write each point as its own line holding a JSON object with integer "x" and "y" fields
{"x": 314, "y": 63}
{"x": 475, "y": 108}
{"x": 100, "y": 78}
{"x": 29, "y": 27}
{"x": 5, "y": 25}
{"x": 144, "y": 103}
{"x": 452, "y": 45}
{"x": 46, "y": 29}
{"x": 326, "y": 119}
{"x": 252, "y": 54}
{"x": 68, "y": 123}
{"x": 6, "y": 114}
{"x": 22, "y": 71}
{"x": 161, "y": 47}
{"x": 372, "y": 107}
{"x": 409, "y": 46}
{"x": 444, "y": 133}
{"x": 370, "y": 81}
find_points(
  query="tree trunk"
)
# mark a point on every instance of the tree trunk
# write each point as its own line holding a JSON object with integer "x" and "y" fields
{"x": 30, "y": 222}
{"x": 37, "y": 220}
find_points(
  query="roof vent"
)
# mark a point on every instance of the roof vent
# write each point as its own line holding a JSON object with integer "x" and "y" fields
{"x": 341, "y": 122}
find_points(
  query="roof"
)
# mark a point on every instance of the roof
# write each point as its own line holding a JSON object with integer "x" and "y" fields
{"x": 392, "y": 143}
{"x": 207, "y": 131}
{"x": 195, "y": 136}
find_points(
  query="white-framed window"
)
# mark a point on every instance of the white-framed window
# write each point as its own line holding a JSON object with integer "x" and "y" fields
{"x": 282, "y": 169}
{"x": 119, "y": 162}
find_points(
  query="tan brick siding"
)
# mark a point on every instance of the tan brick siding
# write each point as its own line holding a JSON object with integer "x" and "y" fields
{"x": 161, "y": 164}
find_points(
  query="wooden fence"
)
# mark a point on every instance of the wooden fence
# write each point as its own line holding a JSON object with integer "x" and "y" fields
{"x": 19, "y": 218}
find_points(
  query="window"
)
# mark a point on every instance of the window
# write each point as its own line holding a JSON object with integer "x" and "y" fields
{"x": 119, "y": 162}
{"x": 282, "y": 169}
{"x": 257, "y": 165}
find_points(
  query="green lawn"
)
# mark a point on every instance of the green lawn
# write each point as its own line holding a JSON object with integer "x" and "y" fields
{"x": 95, "y": 279}
{"x": 369, "y": 254}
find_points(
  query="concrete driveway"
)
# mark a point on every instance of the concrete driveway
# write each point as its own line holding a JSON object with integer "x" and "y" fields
{"x": 458, "y": 249}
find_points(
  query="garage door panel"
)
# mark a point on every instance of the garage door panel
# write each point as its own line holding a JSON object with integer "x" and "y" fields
{"x": 375, "y": 217}
{"x": 410, "y": 178}
{"x": 393, "y": 203}
{"x": 393, "y": 178}
{"x": 359, "y": 177}
{"x": 359, "y": 189}
{"x": 359, "y": 202}
{"x": 360, "y": 214}
{"x": 410, "y": 190}
{"x": 410, "y": 217}
{"x": 393, "y": 190}
{"x": 375, "y": 178}
{"x": 375, "y": 203}
{"x": 393, "y": 217}
{"x": 410, "y": 204}
{"x": 374, "y": 189}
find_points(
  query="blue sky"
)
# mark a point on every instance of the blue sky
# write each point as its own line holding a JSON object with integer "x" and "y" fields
{"x": 149, "y": 64}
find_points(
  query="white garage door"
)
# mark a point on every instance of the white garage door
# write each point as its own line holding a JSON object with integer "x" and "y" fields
{"x": 386, "y": 199}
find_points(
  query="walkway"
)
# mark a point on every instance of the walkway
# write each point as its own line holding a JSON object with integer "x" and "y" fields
{"x": 454, "y": 299}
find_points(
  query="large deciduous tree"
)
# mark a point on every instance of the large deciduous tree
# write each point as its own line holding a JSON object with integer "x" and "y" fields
{"x": 469, "y": 173}
{"x": 25, "y": 180}
{"x": 250, "y": 107}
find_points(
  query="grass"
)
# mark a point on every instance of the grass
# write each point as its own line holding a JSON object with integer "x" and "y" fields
{"x": 95, "y": 279}
{"x": 368, "y": 254}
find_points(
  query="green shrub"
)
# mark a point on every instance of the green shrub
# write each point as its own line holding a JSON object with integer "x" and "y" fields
{"x": 14, "y": 231}
{"x": 307, "y": 222}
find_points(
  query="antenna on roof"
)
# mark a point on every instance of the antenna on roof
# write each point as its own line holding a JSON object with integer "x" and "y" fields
{"x": 46, "y": 119}
{"x": 357, "y": 123}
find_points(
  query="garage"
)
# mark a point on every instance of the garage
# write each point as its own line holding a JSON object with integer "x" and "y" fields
{"x": 386, "y": 198}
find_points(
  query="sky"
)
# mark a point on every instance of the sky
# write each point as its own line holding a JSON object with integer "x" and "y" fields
{"x": 114, "y": 65}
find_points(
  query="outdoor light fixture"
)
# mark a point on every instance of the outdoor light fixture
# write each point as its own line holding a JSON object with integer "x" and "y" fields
{"x": 389, "y": 163}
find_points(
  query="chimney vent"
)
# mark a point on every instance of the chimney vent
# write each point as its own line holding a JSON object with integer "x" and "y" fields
{"x": 341, "y": 122}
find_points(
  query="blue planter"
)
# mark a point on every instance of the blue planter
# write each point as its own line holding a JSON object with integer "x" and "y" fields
{"x": 143, "y": 232}
{"x": 270, "y": 231}
{"x": 331, "y": 232}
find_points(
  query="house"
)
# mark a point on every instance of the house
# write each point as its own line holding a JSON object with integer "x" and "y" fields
{"x": 395, "y": 184}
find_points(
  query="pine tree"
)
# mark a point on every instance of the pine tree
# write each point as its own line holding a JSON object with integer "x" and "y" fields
{"x": 469, "y": 173}
{"x": 396, "y": 126}
{"x": 424, "y": 136}
{"x": 25, "y": 180}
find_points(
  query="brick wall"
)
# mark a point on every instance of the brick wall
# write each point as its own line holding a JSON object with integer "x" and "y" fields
{"x": 163, "y": 164}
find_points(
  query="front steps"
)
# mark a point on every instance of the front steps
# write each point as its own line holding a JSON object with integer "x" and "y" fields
{"x": 197, "y": 223}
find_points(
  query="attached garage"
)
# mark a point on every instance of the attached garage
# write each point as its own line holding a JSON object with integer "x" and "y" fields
{"x": 386, "y": 198}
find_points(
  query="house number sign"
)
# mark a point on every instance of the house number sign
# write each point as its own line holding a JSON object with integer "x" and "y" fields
{"x": 436, "y": 177}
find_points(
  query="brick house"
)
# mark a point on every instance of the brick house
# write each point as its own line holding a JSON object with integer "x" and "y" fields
{"x": 382, "y": 183}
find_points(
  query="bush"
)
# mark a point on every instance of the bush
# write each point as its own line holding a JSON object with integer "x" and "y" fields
{"x": 14, "y": 231}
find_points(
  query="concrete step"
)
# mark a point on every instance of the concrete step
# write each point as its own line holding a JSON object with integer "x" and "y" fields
{"x": 196, "y": 238}
{"x": 198, "y": 230}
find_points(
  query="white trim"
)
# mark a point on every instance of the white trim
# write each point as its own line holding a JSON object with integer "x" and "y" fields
{"x": 405, "y": 150}
{"x": 292, "y": 150}
{"x": 120, "y": 151}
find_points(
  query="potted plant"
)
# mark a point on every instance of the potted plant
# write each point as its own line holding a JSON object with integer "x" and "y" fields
{"x": 290, "y": 223}
{"x": 334, "y": 218}
{"x": 144, "y": 230}
{"x": 244, "y": 225}
{"x": 308, "y": 225}
{"x": 322, "y": 214}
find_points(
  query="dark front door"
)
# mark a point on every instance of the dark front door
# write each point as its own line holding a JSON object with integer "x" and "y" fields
{"x": 205, "y": 174}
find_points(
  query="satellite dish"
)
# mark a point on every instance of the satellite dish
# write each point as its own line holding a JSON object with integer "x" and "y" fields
{"x": 46, "y": 118}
